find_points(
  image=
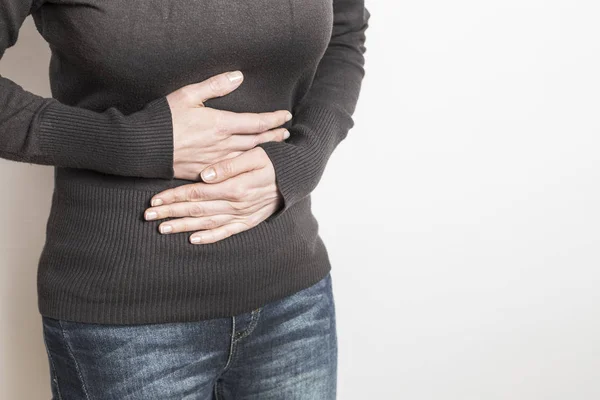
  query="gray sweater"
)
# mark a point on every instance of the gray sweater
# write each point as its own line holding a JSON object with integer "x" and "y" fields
{"x": 108, "y": 132}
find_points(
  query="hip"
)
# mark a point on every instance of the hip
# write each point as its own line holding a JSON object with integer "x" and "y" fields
{"x": 264, "y": 350}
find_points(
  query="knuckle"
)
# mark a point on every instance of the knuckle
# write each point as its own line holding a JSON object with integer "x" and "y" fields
{"x": 238, "y": 192}
{"x": 240, "y": 207}
{"x": 194, "y": 193}
{"x": 248, "y": 222}
{"x": 195, "y": 210}
{"x": 178, "y": 195}
{"x": 262, "y": 123}
{"x": 256, "y": 140}
{"x": 185, "y": 225}
{"x": 220, "y": 124}
{"x": 236, "y": 206}
{"x": 245, "y": 223}
{"x": 227, "y": 167}
{"x": 215, "y": 84}
{"x": 210, "y": 223}
{"x": 227, "y": 232}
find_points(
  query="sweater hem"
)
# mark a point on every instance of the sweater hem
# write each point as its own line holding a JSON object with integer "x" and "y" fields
{"x": 177, "y": 314}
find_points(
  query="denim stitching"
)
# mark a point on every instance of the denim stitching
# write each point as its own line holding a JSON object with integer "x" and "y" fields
{"x": 217, "y": 387}
{"x": 74, "y": 360}
{"x": 220, "y": 391}
{"x": 253, "y": 322}
{"x": 53, "y": 376}
{"x": 217, "y": 391}
{"x": 231, "y": 346}
{"x": 234, "y": 357}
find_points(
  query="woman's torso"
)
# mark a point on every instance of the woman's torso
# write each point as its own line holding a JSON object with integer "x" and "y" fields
{"x": 101, "y": 261}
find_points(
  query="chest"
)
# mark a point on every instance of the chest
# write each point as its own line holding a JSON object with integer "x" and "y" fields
{"x": 133, "y": 37}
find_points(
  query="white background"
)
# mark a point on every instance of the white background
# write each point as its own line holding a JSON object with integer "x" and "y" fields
{"x": 460, "y": 214}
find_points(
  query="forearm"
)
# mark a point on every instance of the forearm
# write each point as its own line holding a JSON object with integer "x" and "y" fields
{"x": 45, "y": 131}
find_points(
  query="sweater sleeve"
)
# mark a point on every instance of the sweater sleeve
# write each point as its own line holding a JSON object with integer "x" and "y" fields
{"x": 45, "y": 131}
{"x": 323, "y": 117}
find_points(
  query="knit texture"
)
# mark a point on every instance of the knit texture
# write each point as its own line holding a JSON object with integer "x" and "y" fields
{"x": 108, "y": 132}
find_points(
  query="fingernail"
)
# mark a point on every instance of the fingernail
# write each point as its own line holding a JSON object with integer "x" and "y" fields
{"x": 151, "y": 215}
{"x": 234, "y": 76}
{"x": 166, "y": 228}
{"x": 156, "y": 202}
{"x": 286, "y": 134}
{"x": 208, "y": 174}
{"x": 196, "y": 239}
{"x": 288, "y": 117}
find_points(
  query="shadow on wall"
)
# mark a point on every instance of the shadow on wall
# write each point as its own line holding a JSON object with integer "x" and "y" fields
{"x": 25, "y": 204}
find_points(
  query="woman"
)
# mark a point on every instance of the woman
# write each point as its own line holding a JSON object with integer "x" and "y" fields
{"x": 153, "y": 135}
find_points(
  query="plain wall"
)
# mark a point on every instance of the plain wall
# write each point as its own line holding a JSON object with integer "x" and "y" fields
{"x": 460, "y": 214}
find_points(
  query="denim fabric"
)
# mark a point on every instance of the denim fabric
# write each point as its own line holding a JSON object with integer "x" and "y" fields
{"x": 286, "y": 349}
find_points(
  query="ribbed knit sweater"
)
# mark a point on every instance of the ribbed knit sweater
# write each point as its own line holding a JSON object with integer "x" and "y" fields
{"x": 108, "y": 132}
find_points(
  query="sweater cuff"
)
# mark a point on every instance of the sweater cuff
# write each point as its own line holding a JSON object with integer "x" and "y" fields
{"x": 300, "y": 161}
{"x": 139, "y": 144}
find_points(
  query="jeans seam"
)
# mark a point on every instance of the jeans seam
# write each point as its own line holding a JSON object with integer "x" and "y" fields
{"x": 217, "y": 387}
{"x": 53, "y": 376}
{"x": 70, "y": 351}
{"x": 253, "y": 322}
{"x": 217, "y": 391}
{"x": 231, "y": 346}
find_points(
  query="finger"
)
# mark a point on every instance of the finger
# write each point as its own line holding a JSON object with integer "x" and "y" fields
{"x": 220, "y": 233}
{"x": 215, "y": 234}
{"x": 244, "y": 122}
{"x": 228, "y": 168}
{"x": 187, "y": 224}
{"x": 245, "y": 142}
{"x": 193, "y": 192}
{"x": 192, "y": 209}
{"x": 215, "y": 86}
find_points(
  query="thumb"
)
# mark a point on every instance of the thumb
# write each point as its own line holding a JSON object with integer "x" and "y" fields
{"x": 216, "y": 86}
{"x": 230, "y": 167}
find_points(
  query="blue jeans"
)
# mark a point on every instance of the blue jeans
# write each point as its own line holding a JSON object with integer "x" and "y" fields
{"x": 286, "y": 349}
